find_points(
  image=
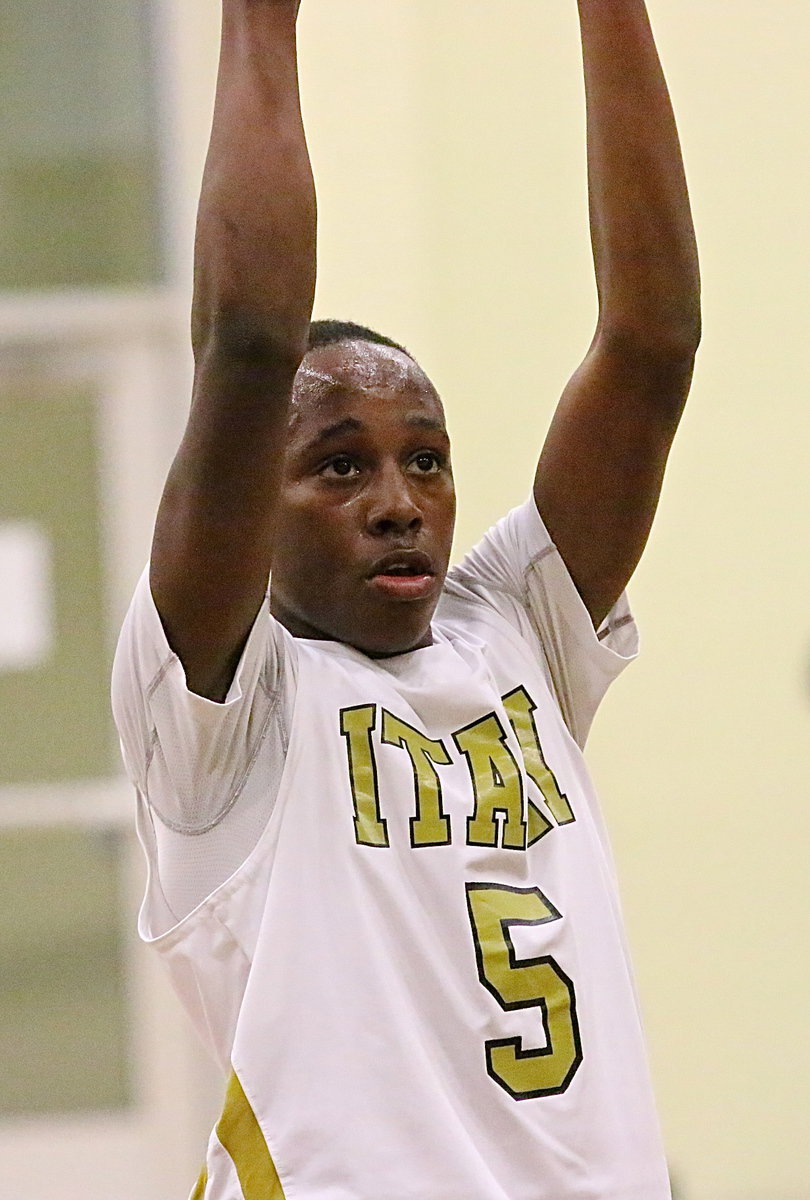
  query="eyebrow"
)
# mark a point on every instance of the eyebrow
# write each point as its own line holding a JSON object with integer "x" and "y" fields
{"x": 338, "y": 429}
{"x": 418, "y": 421}
{"x": 352, "y": 425}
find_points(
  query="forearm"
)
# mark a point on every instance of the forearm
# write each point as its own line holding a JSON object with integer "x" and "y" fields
{"x": 641, "y": 225}
{"x": 253, "y": 288}
{"x": 602, "y": 465}
{"x": 255, "y": 243}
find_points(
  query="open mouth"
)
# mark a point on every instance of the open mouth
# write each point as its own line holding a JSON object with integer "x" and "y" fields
{"x": 404, "y": 575}
{"x": 403, "y": 570}
{"x": 402, "y": 564}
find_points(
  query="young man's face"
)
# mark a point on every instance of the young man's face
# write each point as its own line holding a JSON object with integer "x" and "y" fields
{"x": 367, "y": 505}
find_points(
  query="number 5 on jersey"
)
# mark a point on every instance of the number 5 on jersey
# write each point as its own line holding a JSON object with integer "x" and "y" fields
{"x": 523, "y": 984}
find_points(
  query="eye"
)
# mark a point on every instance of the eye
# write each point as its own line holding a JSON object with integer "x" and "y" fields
{"x": 427, "y": 462}
{"x": 341, "y": 467}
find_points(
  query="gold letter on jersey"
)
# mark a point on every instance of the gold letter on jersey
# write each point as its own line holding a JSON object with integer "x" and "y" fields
{"x": 497, "y": 785}
{"x": 520, "y": 709}
{"x": 356, "y": 725}
{"x": 430, "y": 826}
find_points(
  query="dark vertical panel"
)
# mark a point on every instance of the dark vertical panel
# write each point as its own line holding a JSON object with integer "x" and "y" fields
{"x": 54, "y": 718}
{"x": 63, "y": 1013}
{"x": 78, "y": 166}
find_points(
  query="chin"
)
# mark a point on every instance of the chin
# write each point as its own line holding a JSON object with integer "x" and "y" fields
{"x": 389, "y": 643}
{"x": 392, "y": 651}
{"x": 377, "y": 638}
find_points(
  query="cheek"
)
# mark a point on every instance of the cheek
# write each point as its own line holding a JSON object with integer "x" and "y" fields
{"x": 309, "y": 541}
{"x": 444, "y": 514}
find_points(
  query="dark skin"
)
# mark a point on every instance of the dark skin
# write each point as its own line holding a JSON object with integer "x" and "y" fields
{"x": 243, "y": 496}
{"x": 367, "y": 488}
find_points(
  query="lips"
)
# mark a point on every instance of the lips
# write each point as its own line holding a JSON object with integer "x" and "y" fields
{"x": 402, "y": 563}
{"x": 404, "y": 575}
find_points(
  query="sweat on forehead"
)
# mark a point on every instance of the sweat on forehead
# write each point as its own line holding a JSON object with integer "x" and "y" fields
{"x": 358, "y": 366}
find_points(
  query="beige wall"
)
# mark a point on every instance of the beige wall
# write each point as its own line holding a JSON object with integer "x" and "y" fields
{"x": 448, "y": 147}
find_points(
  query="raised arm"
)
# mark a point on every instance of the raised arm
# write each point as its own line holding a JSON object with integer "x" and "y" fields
{"x": 253, "y": 289}
{"x": 601, "y": 469}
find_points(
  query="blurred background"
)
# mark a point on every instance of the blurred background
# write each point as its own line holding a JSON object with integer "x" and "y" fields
{"x": 448, "y": 146}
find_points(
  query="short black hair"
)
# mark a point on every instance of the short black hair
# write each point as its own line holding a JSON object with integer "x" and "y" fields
{"x": 327, "y": 332}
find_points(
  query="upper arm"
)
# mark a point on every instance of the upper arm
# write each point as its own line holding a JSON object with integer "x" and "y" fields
{"x": 211, "y": 552}
{"x": 602, "y": 466}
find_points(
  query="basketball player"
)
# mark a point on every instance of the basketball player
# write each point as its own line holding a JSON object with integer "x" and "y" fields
{"x": 377, "y": 870}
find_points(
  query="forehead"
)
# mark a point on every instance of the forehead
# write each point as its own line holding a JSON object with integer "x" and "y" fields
{"x": 358, "y": 374}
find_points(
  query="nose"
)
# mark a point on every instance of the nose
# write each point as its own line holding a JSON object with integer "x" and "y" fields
{"x": 393, "y": 506}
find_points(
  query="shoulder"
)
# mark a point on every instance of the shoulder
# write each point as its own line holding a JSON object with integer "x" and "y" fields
{"x": 516, "y": 581}
{"x": 152, "y": 702}
{"x": 500, "y": 559}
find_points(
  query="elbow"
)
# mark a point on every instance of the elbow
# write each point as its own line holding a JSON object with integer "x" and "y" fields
{"x": 681, "y": 342}
{"x": 652, "y": 362}
{"x": 669, "y": 346}
{"x": 249, "y": 340}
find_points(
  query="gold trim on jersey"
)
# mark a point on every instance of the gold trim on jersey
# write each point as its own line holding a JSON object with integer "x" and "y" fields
{"x": 240, "y": 1134}
{"x": 200, "y": 1186}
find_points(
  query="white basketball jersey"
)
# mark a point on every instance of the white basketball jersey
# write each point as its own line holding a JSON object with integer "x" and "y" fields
{"x": 418, "y": 978}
